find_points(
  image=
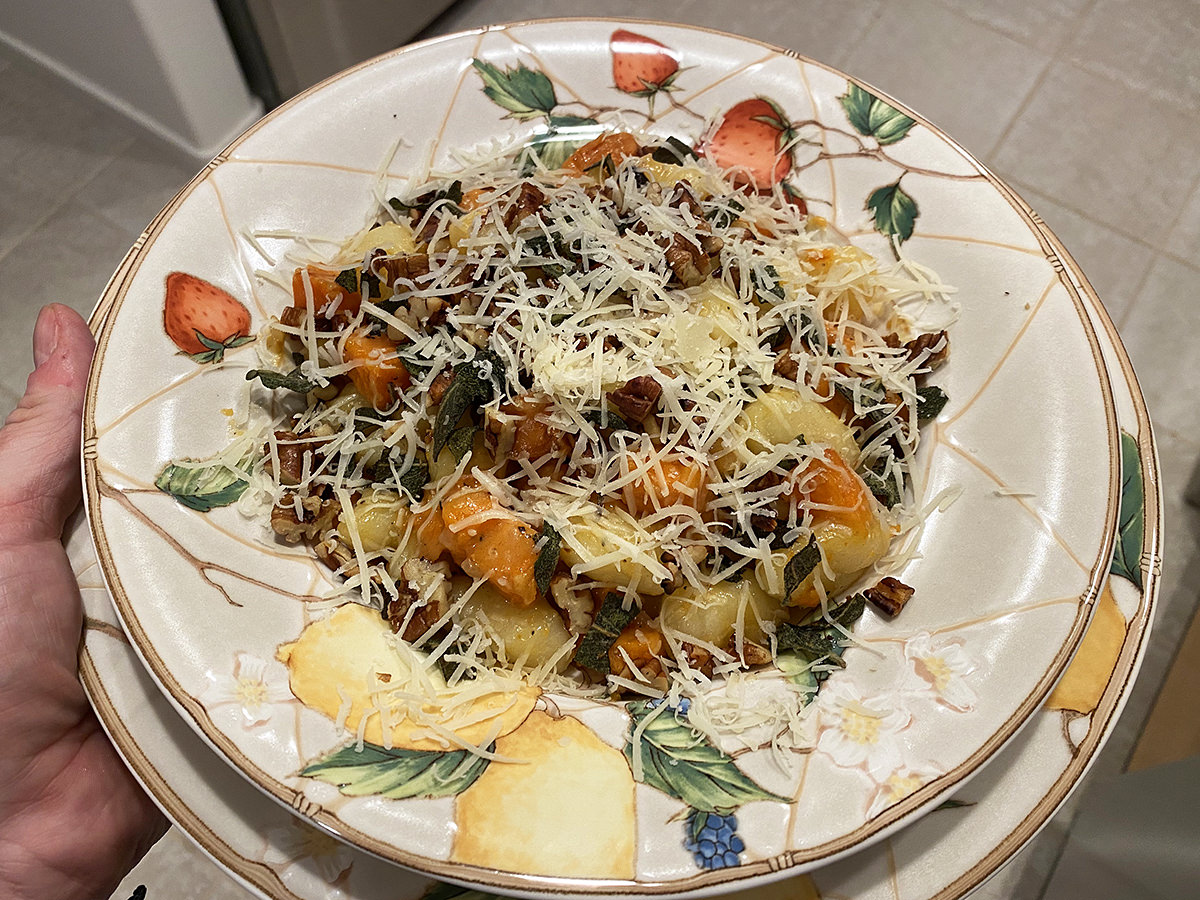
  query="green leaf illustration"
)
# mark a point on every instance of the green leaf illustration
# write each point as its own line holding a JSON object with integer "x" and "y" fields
{"x": 443, "y": 891}
{"x": 799, "y": 671}
{"x": 873, "y": 117}
{"x": 954, "y": 804}
{"x": 1127, "y": 554}
{"x": 680, "y": 761}
{"x": 398, "y": 773}
{"x": 895, "y": 211}
{"x": 202, "y": 487}
{"x": 526, "y": 93}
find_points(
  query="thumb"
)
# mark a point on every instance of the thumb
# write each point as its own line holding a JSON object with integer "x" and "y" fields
{"x": 39, "y": 443}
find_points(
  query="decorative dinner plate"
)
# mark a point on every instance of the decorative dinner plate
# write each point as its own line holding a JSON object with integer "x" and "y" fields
{"x": 1007, "y": 575}
{"x": 943, "y": 856}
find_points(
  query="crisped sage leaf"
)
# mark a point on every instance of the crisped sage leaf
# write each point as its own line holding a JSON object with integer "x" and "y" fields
{"x": 606, "y": 628}
{"x": 348, "y": 279}
{"x": 292, "y": 381}
{"x": 474, "y": 383}
{"x": 398, "y": 773}
{"x": 683, "y": 763}
{"x": 801, "y": 564}
{"x": 602, "y": 418}
{"x": 822, "y": 639}
{"x": 931, "y": 400}
{"x": 673, "y": 152}
{"x": 547, "y": 561}
{"x": 414, "y": 480}
{"x": 203, "y": 488}
{"x": 461, "y": 441}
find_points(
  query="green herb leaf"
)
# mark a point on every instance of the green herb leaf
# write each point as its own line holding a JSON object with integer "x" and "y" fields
{"x": 766, "y": 281}
{"x": 683, "y": 763}
{"x": 606, "y": 628}
{"x": 413, "y": 481}
{"x": 821, "y": 639}
{"x": 800, "y": 566}
{"x": 724, "y": 214}
{"x": 931, "y": 400}
{"x": 475, "y": 382}
{"x": 895, "y": 211}
{"x": 547, "y": 561}
{"x": 526, "y": 93}
{"x": 461, "y": 440}
{"x": 348, "y": 279}
{"x": 398, "y": 774}
{"x": 1131, "y": 529}
{"x": 675, "y": 152}
{"x": 292, "y": 381}
{"x": 873, "y": 117}
{"x": 605, "y": 419}
{"x": 202, "y": 488}
{"x": 881, "y": 482}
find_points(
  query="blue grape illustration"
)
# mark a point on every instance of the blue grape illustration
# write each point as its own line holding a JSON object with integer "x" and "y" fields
{"x": 712, "y": 839}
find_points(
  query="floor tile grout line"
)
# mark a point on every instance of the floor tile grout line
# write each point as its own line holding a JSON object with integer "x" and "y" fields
{"x": 55, "y": 208}
{"x": 1055, "y": 57}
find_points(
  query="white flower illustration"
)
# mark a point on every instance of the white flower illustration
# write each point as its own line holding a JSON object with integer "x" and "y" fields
{"x": 941, "y": 669}
{"x": 255, "y": 685}
{"x": 900, "y": 784}
{"x": 858, "y": 731}
{"x": 296, "y": 845}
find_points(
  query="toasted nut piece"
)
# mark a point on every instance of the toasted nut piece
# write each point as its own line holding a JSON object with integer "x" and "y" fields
{"x": 437, "y": 390}
{"x": 637, "y": 398}
{"x": 890, "y": 595}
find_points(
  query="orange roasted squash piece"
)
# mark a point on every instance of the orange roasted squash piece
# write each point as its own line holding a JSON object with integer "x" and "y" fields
{"x": 673, "y": 482}
{"x": 381, "y": 375}
{"x": 325, "y": 290}
{"x": 831, "y": 483}
{"x": 499, "y": 549}
{"x": 617, "y": 145}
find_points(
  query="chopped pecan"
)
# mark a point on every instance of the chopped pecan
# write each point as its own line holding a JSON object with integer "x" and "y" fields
{"x": 637, "y": 398}
{"x": 529, "y": 198}
{"x": 933, "y": 347}
{"x": 710, "y": 243}
{"x": 690, "y": 264}
{"x": 752, "y": 654}
{"x": 291, "y": 456}
{"x": 764, "y": 524}
{"x": 391, "y": 269}
{"x": 335, "y": 554}
{"x": 698, "y": 658}
{"x": 293, "y": 317}
{"x": 787, "y": 365}
{"x": 396, "y": 609}
{"x": 890, "y": 595}
{"x": 437, "y": 390}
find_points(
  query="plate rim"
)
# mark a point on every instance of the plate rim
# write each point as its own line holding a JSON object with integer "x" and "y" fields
{"x": 788, "y": 863}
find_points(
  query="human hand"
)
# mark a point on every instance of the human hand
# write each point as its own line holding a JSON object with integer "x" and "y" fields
{"x": 73, "y": 820}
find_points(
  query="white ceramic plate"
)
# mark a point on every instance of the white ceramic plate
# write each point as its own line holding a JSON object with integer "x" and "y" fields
{"x": 943, "y": 856}
{"x": 1008, "y": 576}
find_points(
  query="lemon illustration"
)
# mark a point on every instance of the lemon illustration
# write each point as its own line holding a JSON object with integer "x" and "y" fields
{"x": 346, "y": 666}
{"x": 566, "y": 808}
{"x": 1088, "y": 674}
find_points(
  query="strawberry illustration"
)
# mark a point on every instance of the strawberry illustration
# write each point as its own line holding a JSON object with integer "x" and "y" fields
{"x": 202, "y": 320}
{"x": 641, "y": 65}
{"x": 752, "y": 138}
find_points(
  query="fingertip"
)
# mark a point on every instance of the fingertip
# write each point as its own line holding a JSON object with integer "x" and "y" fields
{"x": 62, "y": 347}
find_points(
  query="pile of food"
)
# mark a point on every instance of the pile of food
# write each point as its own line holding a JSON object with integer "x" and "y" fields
{"x": 623, "y": 425}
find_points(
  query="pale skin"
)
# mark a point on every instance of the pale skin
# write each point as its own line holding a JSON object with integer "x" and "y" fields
{"x": 73, "y": 820}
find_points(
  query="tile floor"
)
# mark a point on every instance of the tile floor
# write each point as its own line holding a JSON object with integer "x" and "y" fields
{"x": 1090, "y": 108}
